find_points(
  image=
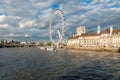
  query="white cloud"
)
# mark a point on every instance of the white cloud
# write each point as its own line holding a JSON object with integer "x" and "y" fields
{"x": 42, "y": 3}
{"x": 2, "y": 18}
{"x": 16, "y": 35}
{"x": 31, "y": 17}
{"x": 4, "y": 26}
{"x": 26, "y": 35}
{"x": 27, "y": 23}
{"x": 11, "y": 35}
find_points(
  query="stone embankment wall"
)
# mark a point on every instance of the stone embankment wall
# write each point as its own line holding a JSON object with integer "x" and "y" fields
{"x": 102, "y": 49}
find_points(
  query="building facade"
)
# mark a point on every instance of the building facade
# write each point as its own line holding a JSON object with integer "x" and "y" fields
{"x": 109, "y": 38}
{"x": 81, "y": 30}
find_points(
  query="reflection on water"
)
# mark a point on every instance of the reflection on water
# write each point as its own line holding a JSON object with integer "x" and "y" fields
{"x": 34, "y": 64}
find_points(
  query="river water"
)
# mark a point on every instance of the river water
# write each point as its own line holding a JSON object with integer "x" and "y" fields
{"x": 36, "y": 64}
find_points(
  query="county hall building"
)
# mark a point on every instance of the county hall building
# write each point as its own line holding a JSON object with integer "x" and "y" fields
{"x": 108, "y": 38}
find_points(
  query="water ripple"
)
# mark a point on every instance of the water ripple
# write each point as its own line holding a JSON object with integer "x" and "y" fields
{"x": 34, "y": 64}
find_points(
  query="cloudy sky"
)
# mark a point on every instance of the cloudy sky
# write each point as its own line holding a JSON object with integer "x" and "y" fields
{"x": 29, "y": 19}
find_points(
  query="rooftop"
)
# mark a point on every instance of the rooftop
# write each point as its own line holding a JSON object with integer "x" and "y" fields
{"x": 106, "y": 31}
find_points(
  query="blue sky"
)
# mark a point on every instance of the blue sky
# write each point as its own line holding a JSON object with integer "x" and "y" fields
{"x": 29, "y": 19}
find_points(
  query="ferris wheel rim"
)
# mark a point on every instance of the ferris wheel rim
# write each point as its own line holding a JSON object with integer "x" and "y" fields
{"x": 60, "y": 12}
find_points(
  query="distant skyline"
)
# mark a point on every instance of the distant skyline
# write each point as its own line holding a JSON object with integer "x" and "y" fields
{"x": 29, "y": 19}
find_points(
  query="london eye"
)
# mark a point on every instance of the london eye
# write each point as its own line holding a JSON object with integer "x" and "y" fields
{"x": 59, "y": 30}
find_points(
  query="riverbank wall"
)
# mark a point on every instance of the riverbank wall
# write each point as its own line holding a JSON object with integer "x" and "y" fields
{"x": 100, "y": 49}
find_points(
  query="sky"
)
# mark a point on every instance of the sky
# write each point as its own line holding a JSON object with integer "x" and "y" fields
{"x": 29, "y": 19}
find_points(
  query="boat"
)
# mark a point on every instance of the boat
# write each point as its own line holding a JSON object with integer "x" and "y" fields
{"x": 48, "y": 48}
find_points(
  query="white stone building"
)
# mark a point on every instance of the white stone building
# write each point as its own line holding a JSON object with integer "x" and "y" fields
{"x": 80, "y": 30}
{"x": 109, "y": 38}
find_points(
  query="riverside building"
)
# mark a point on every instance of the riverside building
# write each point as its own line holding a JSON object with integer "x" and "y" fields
{"x": 108, "y": 38}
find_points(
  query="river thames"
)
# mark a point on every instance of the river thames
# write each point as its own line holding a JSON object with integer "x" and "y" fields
{"x": 36, "y": 64}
